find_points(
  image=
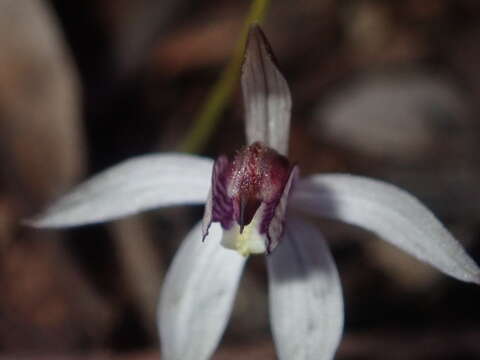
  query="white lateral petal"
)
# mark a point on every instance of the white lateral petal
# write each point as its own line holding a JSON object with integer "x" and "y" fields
{"x": 391, "y": 213}
{"x": 306, "y": 303}
{"x": 266, "y": 95}
{"x": 197, "y": 296}
{"x": 138, "y": 184}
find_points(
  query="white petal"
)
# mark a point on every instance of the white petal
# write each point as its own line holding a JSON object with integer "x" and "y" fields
{"x": 266, "y": 95}
{"x": 197, "y": 296}
{"x": 141, "y": 183}
{"x": 391, "y": 213}
{"x": 306, "y": 303}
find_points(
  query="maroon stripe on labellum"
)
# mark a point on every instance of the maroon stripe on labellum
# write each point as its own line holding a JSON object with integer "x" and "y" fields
{"x": 219, "y": 207}
{"x": 273, "y": 223}
{"x": 222, "y": 206}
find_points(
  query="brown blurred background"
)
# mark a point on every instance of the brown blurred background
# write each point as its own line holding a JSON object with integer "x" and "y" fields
{"x": 387, "y": 89}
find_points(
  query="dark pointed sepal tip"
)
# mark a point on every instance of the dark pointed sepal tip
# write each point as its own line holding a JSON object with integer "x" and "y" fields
{"x": 205, "y": 232}
{"x": 256, "y": 41}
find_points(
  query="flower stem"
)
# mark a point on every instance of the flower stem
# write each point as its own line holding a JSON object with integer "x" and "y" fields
{"x": 220, "y": 94}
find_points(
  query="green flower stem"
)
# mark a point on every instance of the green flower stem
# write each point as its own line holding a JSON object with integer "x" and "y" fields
{"x": 220, "y": 94}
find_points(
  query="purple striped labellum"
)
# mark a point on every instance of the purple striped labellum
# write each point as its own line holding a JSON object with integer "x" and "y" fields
{"x": 249, "y": 198}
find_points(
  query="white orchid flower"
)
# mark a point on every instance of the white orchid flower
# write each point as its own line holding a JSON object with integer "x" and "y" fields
{"x": 255, "y": 203}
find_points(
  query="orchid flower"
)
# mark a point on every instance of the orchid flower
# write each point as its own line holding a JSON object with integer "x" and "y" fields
{"x": 256, "y": 203}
